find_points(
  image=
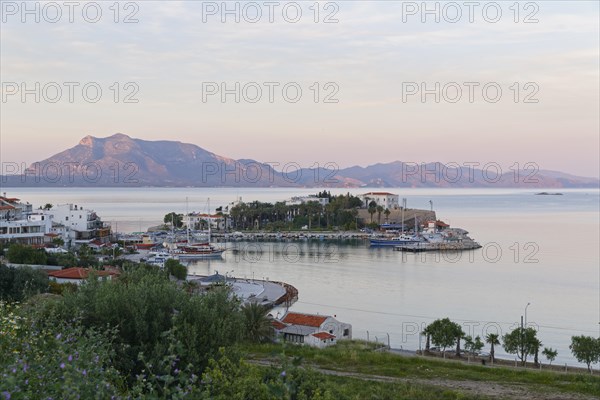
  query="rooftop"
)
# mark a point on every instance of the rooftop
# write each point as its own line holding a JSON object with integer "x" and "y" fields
{"x": 379, "y": 194}
{"x": 304, "y": 319}
{"x": 323, "y": 335}
{"x": 78, "y": 273}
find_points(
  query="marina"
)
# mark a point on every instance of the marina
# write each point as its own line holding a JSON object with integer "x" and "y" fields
{"x": 382, "y": 291}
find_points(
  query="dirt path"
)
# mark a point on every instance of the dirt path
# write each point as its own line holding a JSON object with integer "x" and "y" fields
{"x": 490, "y": 390}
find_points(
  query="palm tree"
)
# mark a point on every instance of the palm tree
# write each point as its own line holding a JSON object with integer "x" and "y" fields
{"x": 427, "y": 333}
{"x": 387, "y": 213}
{"x": 372, "y": 211}
{"x": 492, "y": 339}
{"x": 379, "y": 211}
{"x": 459, "y": 335}
{"x": 257, "y": 322}
{"x": 537, "y": 343}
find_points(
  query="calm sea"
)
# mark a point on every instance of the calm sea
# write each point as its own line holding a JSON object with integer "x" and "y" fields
{"x": 542, "y": 250}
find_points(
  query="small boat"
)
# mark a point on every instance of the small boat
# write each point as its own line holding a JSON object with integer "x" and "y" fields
{"x": 197, "y": 251}
{"x": 159, "y": 258}
{"x": 146, "y": 243}
{"x": 395, "y": 241}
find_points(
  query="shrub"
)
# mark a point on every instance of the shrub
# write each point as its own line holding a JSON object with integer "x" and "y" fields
{"x": 55, "y": 361}
{"x": 17, "y": 284}
{"x": 21, "y": 254}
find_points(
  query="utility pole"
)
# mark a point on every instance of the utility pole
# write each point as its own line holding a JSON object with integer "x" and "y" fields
{"x": 522, "y": 340}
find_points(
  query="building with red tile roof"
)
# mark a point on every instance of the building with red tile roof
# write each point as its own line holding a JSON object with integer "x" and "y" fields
{"x": 311, "y": 329}
{"x": 77, "y": 274}
{"x": 293, "y": 318}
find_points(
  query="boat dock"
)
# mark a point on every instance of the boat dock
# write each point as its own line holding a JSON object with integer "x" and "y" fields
{"x": 443, "y": 246}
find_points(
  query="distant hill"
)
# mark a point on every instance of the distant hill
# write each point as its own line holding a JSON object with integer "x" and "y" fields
{"x": 120, "y": 160}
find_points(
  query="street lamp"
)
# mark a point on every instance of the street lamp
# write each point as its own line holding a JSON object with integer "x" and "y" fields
{"x": 528, "y": 304}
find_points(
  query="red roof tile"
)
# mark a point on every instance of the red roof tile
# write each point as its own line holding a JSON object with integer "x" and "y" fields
{"x": 323, "y": 335}
{"x": 77, "y": 273}
{"x": 278, "y": 324}
{"x": 304, "y": 319}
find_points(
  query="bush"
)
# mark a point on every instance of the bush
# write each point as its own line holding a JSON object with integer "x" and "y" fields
{"x": 17, "y": 284}
{"x": 176, "y": 269}
{"x": 54, "y": 361}
{"x": 20, "y": 254}
{"x": 60, "y": 288}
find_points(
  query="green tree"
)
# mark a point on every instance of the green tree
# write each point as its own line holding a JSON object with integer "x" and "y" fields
{"x": 47, "y": 206}
{"x": 536, "y": 351}
{"x": 521, "y": 342}
{"x": 586, "y": 349}
{"x": 22, "y": 254}
{"x": 174, "y": 219}
{"x": 257, "y": 323}
{"x": 550, "y": 354}
{"x": 380, "y": 209}
{"x": 175, "y": 268}
{"x": 493, "y": 340}
{"x": 427, "y": 333}
{"x": 372, "y": 211}
{"x": 473, "y": 346}
{"x": 18, "y": 284}
{"x": 86, "y": 256}
{"x": 387, "y": 213}
{"x": 445, "y": 333}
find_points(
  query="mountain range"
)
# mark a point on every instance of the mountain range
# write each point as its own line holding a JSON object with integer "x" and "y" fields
{"x": 120, "y": 161}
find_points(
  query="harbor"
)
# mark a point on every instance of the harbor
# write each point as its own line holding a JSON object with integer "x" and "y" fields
{"x": 379, "y": 290}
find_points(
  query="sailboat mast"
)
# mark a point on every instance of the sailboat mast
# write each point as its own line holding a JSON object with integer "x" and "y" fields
{"x": 209, "y": 218}
{"x": 188, "y": 221}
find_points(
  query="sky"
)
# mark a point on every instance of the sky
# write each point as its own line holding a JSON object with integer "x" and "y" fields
{"x": 365, "y": 81}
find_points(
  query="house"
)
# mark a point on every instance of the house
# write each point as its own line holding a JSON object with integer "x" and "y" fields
{"x": 77, "y": 275}
{"x": 96, "y": 245}
{"x": 435, "y": 226}
{"x": 198, "y": 221}
{"x": 79, "y": 223}
{"x": 383, "y": 199}
{"x": 311, "y": 329}
{"x": 19, "y": 223}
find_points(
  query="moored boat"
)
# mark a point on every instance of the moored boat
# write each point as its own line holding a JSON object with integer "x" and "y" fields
{"x": 395, "y": 241}
{"x": 197, "y": 251}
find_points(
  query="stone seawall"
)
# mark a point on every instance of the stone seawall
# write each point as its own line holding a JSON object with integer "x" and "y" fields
{"x": 395, "y": 216}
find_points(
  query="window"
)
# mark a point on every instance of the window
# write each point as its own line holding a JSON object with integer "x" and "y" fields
{"x": 66, "y": 218}
{"x": 346, "y": 332}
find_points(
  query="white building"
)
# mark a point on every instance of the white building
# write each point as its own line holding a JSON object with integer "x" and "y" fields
{"x": 79, "y": 223}
{"x": 384, "y": 199}
{"x": 305, "y": 199}
{"x": 310, "y": 329}
{"x": 18, "y": 222}
{"x": 199, "y": 221}
{"x": 77, "y": 275}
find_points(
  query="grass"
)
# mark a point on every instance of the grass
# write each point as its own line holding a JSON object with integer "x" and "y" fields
{"x": 360, "y": 357}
